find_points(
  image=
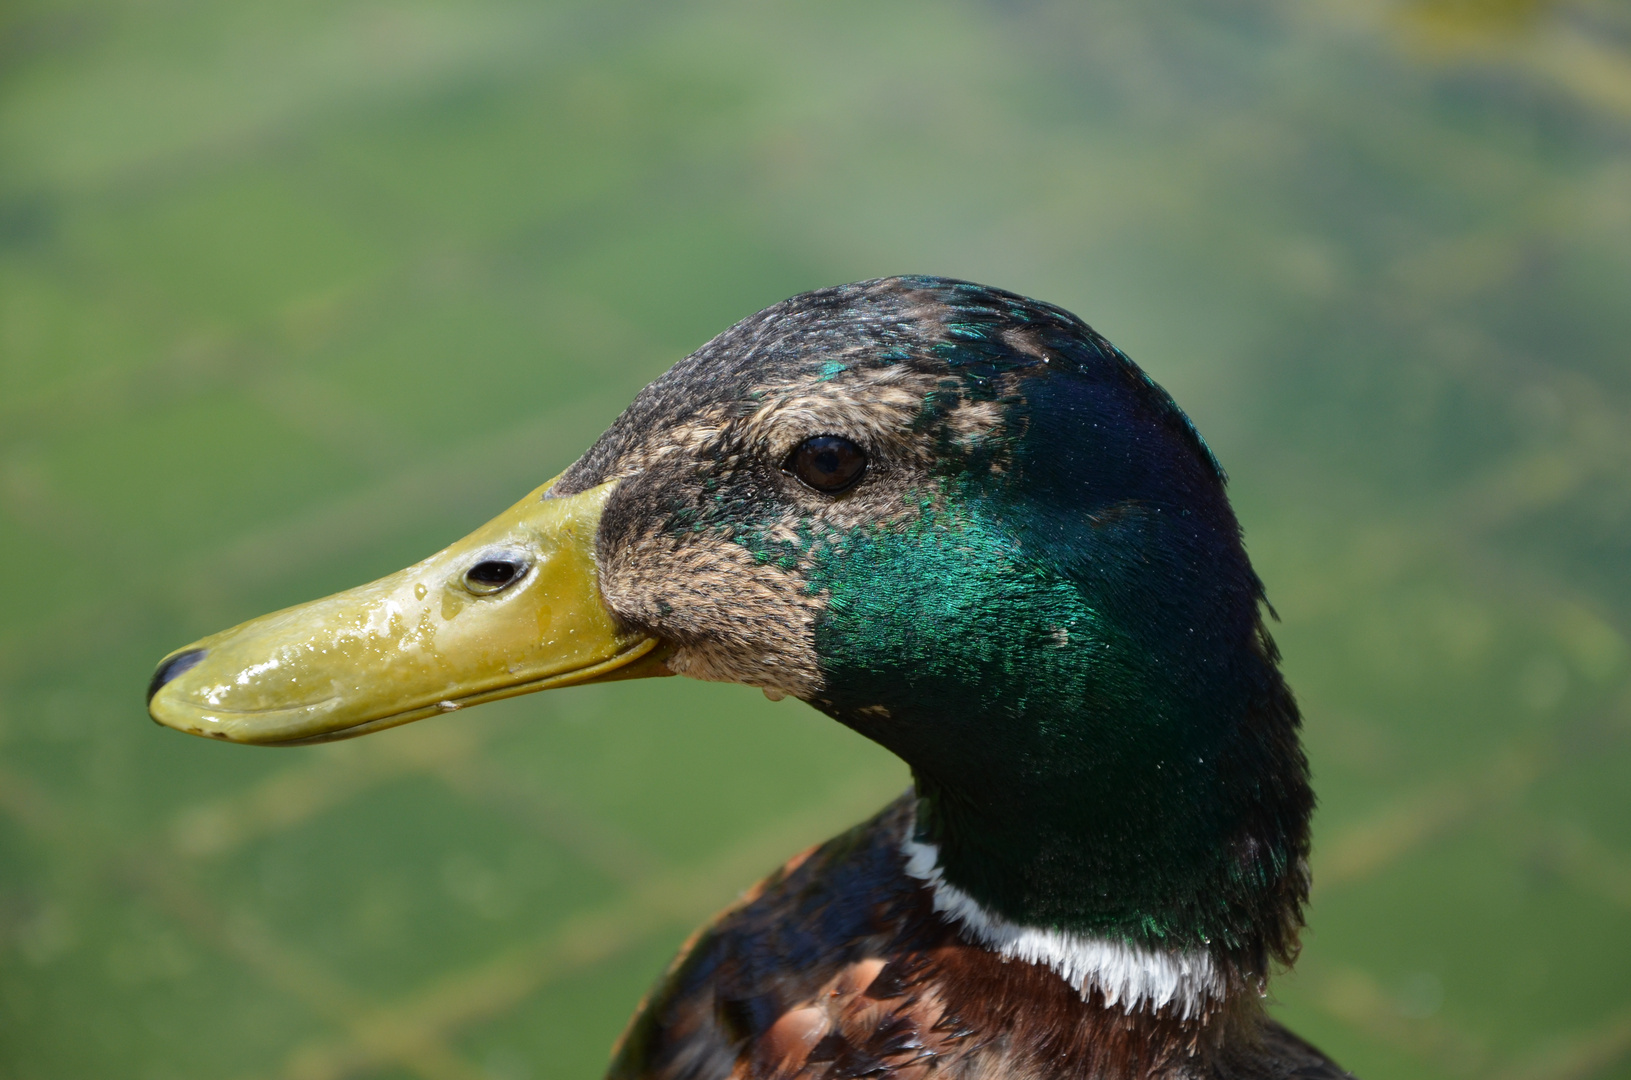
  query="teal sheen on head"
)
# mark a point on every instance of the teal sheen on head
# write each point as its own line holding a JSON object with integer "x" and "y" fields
{"x": 1036, "y": 594}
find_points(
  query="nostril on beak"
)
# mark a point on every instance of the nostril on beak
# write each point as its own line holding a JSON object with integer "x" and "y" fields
{"x": 172, "y": 667}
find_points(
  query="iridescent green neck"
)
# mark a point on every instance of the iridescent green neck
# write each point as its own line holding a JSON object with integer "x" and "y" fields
{"x": 1095, "y": 749}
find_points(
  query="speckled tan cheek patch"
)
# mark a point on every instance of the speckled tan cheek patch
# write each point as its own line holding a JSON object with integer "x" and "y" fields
{"x": 727, "y": 616}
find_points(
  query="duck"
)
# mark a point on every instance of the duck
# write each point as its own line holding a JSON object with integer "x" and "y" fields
{"x": 963, "y": 524}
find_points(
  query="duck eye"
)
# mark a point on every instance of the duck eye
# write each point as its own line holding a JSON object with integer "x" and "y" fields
{"x": 829, "y": 463}
{"x": 491, "y": 575}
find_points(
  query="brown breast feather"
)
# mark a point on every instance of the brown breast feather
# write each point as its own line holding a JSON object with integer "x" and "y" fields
{"x": 837, "y": 967}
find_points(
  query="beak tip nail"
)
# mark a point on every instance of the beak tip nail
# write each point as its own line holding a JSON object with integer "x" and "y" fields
{"x": 172, "y": 667}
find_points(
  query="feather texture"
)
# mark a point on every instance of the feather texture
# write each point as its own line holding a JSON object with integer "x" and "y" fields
{"x": 838, "y": 966}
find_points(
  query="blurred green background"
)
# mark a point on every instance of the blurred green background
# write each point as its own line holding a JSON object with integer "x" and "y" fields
{"x": 292, "y": 294}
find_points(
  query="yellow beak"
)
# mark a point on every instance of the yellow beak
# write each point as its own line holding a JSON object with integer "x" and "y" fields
{"x": 512, "y": 608}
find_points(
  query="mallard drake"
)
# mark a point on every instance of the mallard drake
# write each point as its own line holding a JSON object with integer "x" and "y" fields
{"x": 965, "y": 525}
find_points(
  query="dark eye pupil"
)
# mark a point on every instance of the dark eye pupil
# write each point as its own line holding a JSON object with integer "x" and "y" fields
{"x": 493, "y": 573}
{"x": 828, "y": 463}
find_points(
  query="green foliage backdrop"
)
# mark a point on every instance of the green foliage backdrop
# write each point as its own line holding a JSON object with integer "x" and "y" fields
{"x": 293, "y": 293}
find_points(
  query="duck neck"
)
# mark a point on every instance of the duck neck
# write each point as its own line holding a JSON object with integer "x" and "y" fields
{"x": 1160, "y": 861}
{"x": 1100, "y": 736}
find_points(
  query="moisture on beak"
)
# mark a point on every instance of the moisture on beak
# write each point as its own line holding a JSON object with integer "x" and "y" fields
{"x": 512, "y": 608}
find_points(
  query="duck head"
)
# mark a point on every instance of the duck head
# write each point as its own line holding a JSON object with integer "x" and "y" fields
{"x": 954, "y": 519}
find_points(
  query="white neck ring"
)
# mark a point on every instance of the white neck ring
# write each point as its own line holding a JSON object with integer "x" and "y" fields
{"x": 1188, "y": 980}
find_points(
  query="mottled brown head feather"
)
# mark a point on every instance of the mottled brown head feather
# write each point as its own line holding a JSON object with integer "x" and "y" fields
{"x": 854, "y": 361}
